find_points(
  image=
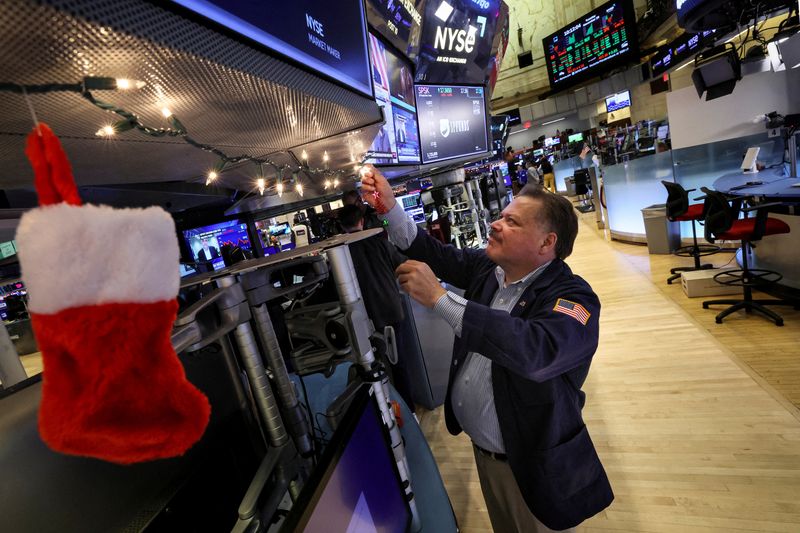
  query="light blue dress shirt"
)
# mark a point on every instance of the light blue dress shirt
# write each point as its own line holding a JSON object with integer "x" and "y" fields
{"x": 472, "y": 396}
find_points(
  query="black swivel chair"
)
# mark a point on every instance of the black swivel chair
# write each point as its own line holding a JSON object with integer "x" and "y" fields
{"x": 679, "y": 210}
{"x": 723, "y": 222}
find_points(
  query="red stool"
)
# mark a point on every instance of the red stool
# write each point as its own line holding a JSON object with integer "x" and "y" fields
{"x": 679, "y": 210}
{"x": 723, "y": 223}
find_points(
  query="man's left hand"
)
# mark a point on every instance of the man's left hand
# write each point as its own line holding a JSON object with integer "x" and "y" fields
{"x": 418, "y": 281}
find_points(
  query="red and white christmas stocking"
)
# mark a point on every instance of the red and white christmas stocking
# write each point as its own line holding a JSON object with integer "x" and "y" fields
{"x": 102, "y": 287}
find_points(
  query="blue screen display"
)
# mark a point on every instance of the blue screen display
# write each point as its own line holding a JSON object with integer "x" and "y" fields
{"x": 330, "y": 41}
{"x": 618, "y": 101}
{"x": 206, "y": 242}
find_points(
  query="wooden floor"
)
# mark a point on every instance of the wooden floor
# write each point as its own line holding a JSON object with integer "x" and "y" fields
{"x": 696, "y": 423}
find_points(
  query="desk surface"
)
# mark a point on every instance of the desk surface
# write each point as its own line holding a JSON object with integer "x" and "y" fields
{"x": 775, "y": 184}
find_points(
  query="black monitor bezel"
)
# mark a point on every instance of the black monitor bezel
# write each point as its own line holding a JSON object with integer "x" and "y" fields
{"x": 628, "y": 57}
{"x": 299, "y": 514}
{"x": 487, "y": 128}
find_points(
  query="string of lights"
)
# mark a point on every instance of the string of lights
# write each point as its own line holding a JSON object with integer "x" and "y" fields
{"x": 130, "y": 121}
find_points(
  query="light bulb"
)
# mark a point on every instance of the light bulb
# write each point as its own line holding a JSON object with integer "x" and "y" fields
{"x": 325, "y": 156}
{"x": 279, "y": 188}
{"x": 124, "y": 84}
{"x": 327, "y": 184}
{"x": 106, "y": 131}
{"x": 299, "y": 188}
{"x": 261, "y": 184}
{"x": 335, "y": 183}
{"x": 166, "y": 112}
{"x": 304, "y": 155}
{"x": 211, "y": 177}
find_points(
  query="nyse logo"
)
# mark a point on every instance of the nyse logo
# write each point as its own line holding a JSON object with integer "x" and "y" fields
{"x": 452, "y": 39}
{"x": 315, "y": 25}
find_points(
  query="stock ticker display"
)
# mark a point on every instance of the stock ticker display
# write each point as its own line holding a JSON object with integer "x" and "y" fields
{"x": 605, "y": 37}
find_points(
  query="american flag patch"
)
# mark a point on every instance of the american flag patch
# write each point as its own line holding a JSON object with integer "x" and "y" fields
{"x": 575, "y": 310}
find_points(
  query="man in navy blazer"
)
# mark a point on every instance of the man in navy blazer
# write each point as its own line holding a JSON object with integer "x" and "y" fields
{"x": 526, "y": 330}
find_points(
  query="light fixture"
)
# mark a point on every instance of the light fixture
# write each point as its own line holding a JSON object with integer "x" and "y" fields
{"x": 554, "y": 121}
{"x": 106, "y": 131}
{"x": 299, "y": 188}
{"x": 125, "y": 84}
{"x": 214, "y": 173}
{"x": 325, "y": 157}
{"x": 211, "y": 177}
{"x": 166, "y": 112}
{"x": 261, "y": 184}
{"x": 279, "y": 187}
{"x": 327, "y": 184}
{"x": 304, "y": 155}
{"x": 335, "y": 183}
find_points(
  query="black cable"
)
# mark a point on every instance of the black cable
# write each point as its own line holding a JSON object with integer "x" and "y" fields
{"x": 311, "y": 420}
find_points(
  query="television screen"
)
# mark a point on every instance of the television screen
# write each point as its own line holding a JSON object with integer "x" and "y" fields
{"x": 412, "y": 204}
{"x": 679, "y": 50}
{"x": 514, "y": 117}
{"x": 330, "y": 41}
{"x": 356, "y": 486}
{"x": 398, "y": 139}
{"x": 274, "y": 237}
{"x": 615, "y": 102}
{"x": 575, "y": 138}
{"x": 601, "y": 40}
{"x": 549, "y": 142}
{"x": 457, "y": 41}
{"x": 205, "y": 242}
{"x": 400, "y": 23}
{"x": 452, "y": 121}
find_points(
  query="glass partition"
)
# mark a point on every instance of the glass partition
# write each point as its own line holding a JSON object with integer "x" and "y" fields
{"x": 632, "y": 186}
{"x": 565, "y": 169}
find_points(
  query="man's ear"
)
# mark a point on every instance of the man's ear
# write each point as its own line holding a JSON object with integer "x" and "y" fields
{"x": 550, "y": 241}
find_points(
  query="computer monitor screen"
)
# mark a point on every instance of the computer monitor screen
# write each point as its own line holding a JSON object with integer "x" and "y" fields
{"x": 275, "y": 237}
{"x": 412, "y": 204}
{"x": 452, "y": 121}
{"x": 538, "y": 152}
{"x": 575, "y": 138}
{"x": 597, "y": 42}
{"x": 397, "y": 141}
{"x": 549, "y": 142}
{"x": 206, "y": 242}
{"x": 186, "y": 270}
{"x": 615, "y": 102}
{"x": 663, "y": 132}
{"x": 330, "y": 41}
{"x": 355, "y": 487}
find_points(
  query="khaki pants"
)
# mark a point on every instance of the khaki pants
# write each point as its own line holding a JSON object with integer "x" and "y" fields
{"x": 550, "y": 182}
{"x": 507, "y": 509}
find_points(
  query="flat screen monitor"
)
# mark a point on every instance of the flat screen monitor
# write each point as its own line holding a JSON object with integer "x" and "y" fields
{"x": 356, "y": 486}
{"x": 186, "y": 270}
{"x": 597, "y": 42}
{"x": 412, "y": 204}
{"x": 332, "y": 42}
{"x": 400, "y": 23}
{"x": 452, "y": 121}
{"x": 457, "y": 41}
{"x": 663, "y": 132}
{"x": 538, "y": 152}
{"x": 549, "y": 142}
{"x": 206, "y": 242}
{"x": 615, "y": 102}
{"x": 514, "y": 117}
{"x": 575, "y": 138}
{"x": 676, "y": 52}
{"x": 274, "y": 237}
{"x": 397, "y": 141}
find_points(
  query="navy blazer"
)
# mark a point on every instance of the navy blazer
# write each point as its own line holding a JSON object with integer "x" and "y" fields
{"x": 540, "y": 359}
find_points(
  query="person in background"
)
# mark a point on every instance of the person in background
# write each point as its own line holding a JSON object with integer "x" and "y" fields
{"x": 533, "y": 172}
{"x": 548, "y": 177}
{"x": 375, "y": 260}
{"x": 509, "y": 156}
{"x": 526, "y": 331}
{"x": 371, "y": 220}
